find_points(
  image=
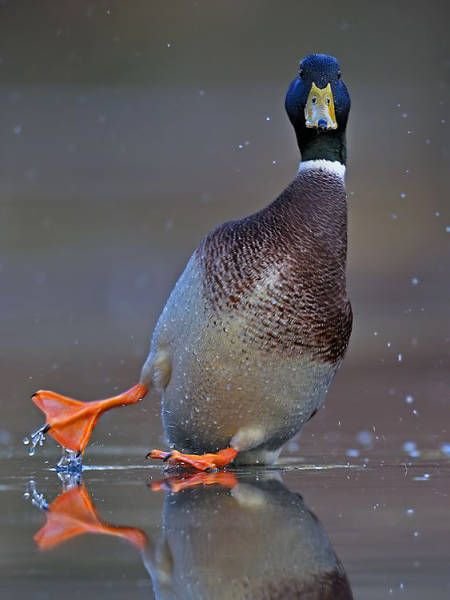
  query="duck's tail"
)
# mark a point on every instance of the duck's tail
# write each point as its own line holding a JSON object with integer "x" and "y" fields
{"x": 71, "y": 422}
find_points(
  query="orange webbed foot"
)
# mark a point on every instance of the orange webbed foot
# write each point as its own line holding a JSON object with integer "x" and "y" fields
{"x": 72, "y": 514}
{"x": 200, "y": 462}
{"x": 71, "y": 422}
{"x": 178, "y": 483}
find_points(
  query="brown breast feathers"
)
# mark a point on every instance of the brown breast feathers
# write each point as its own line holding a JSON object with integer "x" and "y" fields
{"x": 283, "y": 269}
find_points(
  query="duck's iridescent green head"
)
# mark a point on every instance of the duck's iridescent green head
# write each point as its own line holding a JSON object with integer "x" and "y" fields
{"x": 318, "y": 104}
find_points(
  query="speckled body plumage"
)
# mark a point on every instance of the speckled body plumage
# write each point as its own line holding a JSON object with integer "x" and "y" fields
{"x": 266, "y": 545}
{"x": 257, "y": 325}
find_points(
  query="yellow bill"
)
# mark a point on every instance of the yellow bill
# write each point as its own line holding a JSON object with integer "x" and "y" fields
{"x": 319, "y": 108}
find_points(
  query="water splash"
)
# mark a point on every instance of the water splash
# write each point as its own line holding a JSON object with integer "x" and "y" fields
{"x": 69, "y": 479}
{"x": 35, "y": 439}
{"x": 70, "y": 462}
{"x": 37, "y": 499}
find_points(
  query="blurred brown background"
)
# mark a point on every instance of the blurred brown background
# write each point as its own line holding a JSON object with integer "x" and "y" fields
{"x": 129, "y": 129}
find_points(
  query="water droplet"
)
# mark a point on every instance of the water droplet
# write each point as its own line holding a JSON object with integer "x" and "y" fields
{"x": 400, "y": 357}
{"x": 447, "y": 229}
{"x": 402, "y": 195}
{"x": 445, "y": 449}
{"x": 415, "y": 281}
{"x": 409, "y": 399}
{"x": 352, "y": 453}
{"x": 365, "y": 438}
{"x": 409, "y": 446}
{"x": 267, "y": 118}
{"x": 37, "y": 438}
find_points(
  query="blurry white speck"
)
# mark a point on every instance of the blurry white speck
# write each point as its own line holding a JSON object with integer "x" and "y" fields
{"x": 409, "y": 132}
{"x": 403, "y": 195}
{"x": 409, "y": 399}
{"x": 274, "y": 162}
{"x": 201, "y": 92}
{"x": 246, "y": 143}
{"x": 375, "y": 333}
{"x": 240, "y": 146}
{"x": 447, "y": 229}
{"x": 443, "y": 121}
{"x": 388, "y": 344}
{"x": 409, "y": 511}
{"x": 409, "y": 446}
{"x": 445, "y": 449}
{"x": 394, "y": 216}
{"x": 415, "y": 281}
{"x": 365, "y": 438}
{"x": 169, "y": 44}
{"x": 398, "y": 105}
{"x": 400, "y": 357}
{"x": 108, "y": 11}
{"x": 437, "y": 214}
{"x": 404, "y": 115}
{"x": 267, "y": 118}
{"x": 17, "y": 129}
{"x": 416, "y": 534}
{"x": 428, "y": 141}
{"x": 415, "y": 412}
{"x": 352, "y": 452}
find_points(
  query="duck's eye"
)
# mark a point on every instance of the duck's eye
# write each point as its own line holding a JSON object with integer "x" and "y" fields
{"x": 313, "y": 99}
{"x": 339, "y": 74}
{"x": 328, "y": 101}
{"x": 300, "y": 73}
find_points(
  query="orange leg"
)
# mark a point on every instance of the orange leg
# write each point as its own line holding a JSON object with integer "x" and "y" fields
{"x": 201, "y": 462}
{"x": 71, "y": 422}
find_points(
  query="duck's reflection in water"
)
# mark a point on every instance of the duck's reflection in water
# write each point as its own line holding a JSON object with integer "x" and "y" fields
{"x": 223, "y": 537}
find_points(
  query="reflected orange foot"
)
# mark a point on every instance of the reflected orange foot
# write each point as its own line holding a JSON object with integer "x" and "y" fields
{"x": 73, "y": 514}
{"x": 201, "y": 462}
{"x": 178, "y": 483}
{"x": 71, "y": 422}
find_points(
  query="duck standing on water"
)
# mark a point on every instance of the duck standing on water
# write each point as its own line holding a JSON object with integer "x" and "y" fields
{"x": 258, "y": 323}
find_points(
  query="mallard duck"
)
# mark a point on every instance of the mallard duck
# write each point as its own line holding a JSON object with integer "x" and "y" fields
{"x": 257, "y": 325}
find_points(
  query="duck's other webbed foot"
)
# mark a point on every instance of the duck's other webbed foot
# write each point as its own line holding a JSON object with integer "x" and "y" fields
{"x": 200, "y": 462}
